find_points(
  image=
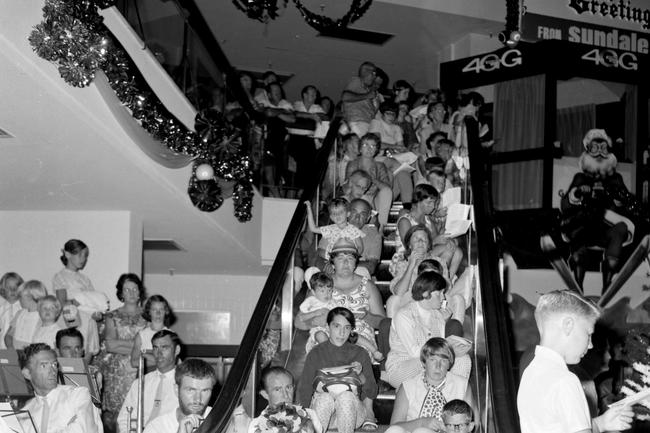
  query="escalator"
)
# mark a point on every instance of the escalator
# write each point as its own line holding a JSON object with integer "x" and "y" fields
{"x": 492, "y": 380}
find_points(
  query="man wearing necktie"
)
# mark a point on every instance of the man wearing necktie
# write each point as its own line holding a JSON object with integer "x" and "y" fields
{"x": 159, "y": 397}
{"x": 55, "y": 408}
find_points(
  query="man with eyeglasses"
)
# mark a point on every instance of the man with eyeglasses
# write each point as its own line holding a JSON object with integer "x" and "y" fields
{"x": 55, "y": 408}
{"x": 358, "y": 98}
{"x": 596, "y": 208}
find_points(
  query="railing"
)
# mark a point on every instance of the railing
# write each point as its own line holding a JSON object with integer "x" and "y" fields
{"x": 272, "y": 293}
{"x": 497, "y": 387}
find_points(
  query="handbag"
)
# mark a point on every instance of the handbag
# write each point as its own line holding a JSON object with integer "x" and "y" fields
{"x": 336, "y": 380}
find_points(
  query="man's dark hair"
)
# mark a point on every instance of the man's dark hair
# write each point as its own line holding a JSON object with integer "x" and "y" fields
{"x": 176, "y": 340}
{"x": 32, "y": 350}
{"x": 196, "y": 369}
{"x": 68, "y": 332}
{"x": 273, "y": 370}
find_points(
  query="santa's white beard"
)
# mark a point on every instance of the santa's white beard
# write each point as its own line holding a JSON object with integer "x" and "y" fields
{"x": 598, "y": 166}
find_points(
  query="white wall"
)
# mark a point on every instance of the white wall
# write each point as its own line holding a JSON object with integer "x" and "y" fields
{"x": 32, "y": 242}
{"x": 234, "y": 294}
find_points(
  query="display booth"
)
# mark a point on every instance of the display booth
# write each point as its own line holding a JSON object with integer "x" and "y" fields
{"x": 546, "y": 95}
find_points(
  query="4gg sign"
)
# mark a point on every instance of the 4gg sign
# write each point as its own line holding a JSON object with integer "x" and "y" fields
{"x": 492, "y": 62}
{"x": 611, "y": 59}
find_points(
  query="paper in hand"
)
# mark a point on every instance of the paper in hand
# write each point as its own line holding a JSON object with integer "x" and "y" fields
{"x": 457, "y": 223}
{"x": 450, "y": 196}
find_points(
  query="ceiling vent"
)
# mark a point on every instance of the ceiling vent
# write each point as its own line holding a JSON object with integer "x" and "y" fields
{"x": 161, "y": 245}
{"x": 5, "y": 134}
{"x": 358, "y": 35}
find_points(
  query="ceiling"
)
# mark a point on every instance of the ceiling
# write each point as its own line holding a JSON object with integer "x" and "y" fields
{"x": 290, "y": 46}
{"x": 69, "y": 152}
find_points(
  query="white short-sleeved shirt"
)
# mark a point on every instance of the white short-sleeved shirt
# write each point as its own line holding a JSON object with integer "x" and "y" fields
{"x": 550, "y": 397}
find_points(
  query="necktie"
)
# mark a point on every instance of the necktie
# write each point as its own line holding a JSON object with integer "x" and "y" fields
{"x": 155, "y": 411}
{"x": 44, "y": 416}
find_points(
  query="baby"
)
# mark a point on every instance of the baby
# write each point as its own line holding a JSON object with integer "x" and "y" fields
{"x": 339, "y": 210}
{"x": 321, "y": 287}
{"x": 49, "y": 310}
{"x": 457, "y": 417}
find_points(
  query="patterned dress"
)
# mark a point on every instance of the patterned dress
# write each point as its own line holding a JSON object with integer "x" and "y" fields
{"x": 357, "y": 301}
{"x": 116, "y": 369}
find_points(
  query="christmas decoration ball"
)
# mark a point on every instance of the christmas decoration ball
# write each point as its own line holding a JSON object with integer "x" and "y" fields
{"x": 204, "y": 172}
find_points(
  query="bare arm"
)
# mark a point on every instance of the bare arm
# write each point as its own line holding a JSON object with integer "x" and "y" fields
{"x": 113, "y": 344}
{"x": 404, "y": 282}
{"x": 349, "y": 96}
{"x": 310, "y": 219}
{"x": 376, "y": 308}
{"x": 307, "y": 324}
{"x": 400, "y": 409}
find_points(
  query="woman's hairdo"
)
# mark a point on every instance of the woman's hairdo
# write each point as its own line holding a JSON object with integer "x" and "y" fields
{"x": 146, "y": 310}
{"x": 134, "y": 279}
{"x": 423, "y": 192}
{"x": 73, "y": 246}
{"x": 428, "y": 282}
{"x": 411, "y": 232}
{"x": 347, "y": 315}
{"x": 438, "y": 346}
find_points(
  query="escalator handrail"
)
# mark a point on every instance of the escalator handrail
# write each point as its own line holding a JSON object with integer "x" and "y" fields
{"x": 228, "y": 398}
{"x": 499, "y": 356}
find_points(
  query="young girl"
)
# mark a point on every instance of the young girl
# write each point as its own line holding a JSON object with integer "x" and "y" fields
{"x": 158, "y": 315}
{"x": 70, "y": 283}
{"x": 26, "y": 321}
{"x": 339, "y": 210}
{"x": 49, "y": 309}
{"x": 9, "y": 286}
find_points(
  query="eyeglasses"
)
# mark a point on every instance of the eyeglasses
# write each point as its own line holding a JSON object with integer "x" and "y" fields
{"x": 598, "y": 147}
{"x": 457, "y": 427}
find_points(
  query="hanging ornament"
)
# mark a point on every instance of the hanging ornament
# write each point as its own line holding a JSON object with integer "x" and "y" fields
{"x": 205, "y": 194}
{"x": 204, "y": 172}
{"x": 323, "y": 23}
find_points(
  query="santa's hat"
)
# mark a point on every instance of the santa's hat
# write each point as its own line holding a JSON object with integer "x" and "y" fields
{"x": 596, "y": 134}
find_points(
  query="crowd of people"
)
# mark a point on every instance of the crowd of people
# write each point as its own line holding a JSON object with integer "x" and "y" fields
{"x": 392, "y": 146}
{"x": 73, "y": 320}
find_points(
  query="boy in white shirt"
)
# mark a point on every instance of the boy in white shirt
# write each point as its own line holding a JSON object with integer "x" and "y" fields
{"x": 550, "y": 397}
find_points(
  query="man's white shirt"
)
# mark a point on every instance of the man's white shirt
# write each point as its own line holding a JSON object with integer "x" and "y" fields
{"x": 169, "y": 401}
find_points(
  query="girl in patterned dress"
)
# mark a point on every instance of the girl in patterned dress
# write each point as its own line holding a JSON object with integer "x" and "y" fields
{"x": 339, "y": 210}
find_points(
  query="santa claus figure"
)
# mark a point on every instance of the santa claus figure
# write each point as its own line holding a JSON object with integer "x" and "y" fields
{"x": 594, "y": 208}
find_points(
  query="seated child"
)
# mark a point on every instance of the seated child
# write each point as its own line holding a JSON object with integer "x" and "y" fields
{"x": 550, "y": 397}
{"x": 339, "y": 210}
{"x": 49, "y": 310}
{"x": 321, "y": 287}
{"x": 278, "y": 390}
{"x": 457, "y": 417}
{"x": 22, "y": 328}
{"x": 320, "y": 301}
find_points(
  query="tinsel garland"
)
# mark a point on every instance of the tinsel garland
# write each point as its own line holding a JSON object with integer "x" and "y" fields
{"x": 260, "y": 10}
{"x": 72, "y": 35}
{"x": 322, "y": 23}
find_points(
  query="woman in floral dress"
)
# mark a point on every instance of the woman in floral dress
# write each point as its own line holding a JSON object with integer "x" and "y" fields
{"x": 122, "y": 326}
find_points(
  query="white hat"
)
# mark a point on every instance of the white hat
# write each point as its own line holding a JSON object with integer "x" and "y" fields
{"x": 594, "y": 134}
